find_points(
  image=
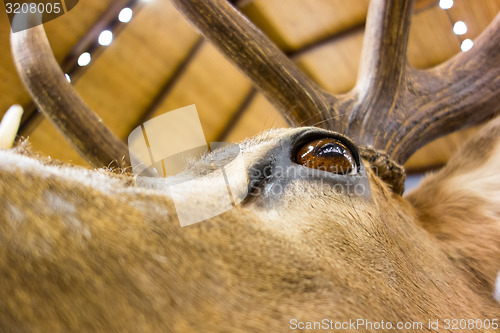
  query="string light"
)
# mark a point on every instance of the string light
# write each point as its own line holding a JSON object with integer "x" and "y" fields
{"x": 467, "y": 45}
{"x": 68, "y": 78}
{"x": 105, "y": 37}
{"x": 84, "y": 59}
{"x": 460, "y": 28}
{"x": 125, "y": 15}
{"x": 446, "y": 4}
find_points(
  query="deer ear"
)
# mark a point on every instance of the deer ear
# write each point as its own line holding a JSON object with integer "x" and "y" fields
{"x": 460, "y": 205}
{"x": 9, "y": 126}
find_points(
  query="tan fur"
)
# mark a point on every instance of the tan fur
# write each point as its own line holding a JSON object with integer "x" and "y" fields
{"x": 82, "y": 250}
{"x": 460, "y": 206}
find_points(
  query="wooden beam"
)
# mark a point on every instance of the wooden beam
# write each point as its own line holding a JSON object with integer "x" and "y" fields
{"x": 53, "y": 94}
{"x": 108, "y": 20}
{"x": 293, "y": 93}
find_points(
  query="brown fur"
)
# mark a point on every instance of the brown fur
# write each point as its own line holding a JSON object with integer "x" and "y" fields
{"x": 81, "y": 250}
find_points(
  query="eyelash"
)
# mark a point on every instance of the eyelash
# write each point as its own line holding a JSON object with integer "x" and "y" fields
{"x": 314, "y": 143}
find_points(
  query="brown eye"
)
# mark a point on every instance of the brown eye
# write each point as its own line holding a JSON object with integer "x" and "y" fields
{"x": 328, "y": 155}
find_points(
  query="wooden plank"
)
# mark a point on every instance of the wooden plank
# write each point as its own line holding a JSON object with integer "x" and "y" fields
{"x": 296, "y": 23}
{"x": 325, "y": 65}
{"x": 63, "y": 32}
{"x": 261, "y": 115}
{"x": 334, "y": 66}
{"x": 214, "y": 85}
{"x": 56, "y": 98}
{"x": 49, "y": 142}
{"x": 437, "y": 153}
{"x": 477, "y": 15}
{"x": 128, "y": 74}
{"x": 107, "y": 20}
{"x": 432, "y": 40}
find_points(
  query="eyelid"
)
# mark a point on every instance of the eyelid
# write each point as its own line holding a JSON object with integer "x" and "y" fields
{"x": 314, "y": 134}
{"x": 317, "y": 133}
{"x": 327, "y": 154}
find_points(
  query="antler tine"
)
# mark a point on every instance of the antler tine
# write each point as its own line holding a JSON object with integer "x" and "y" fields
{"x": 295, "y": 95}
{"x": 383, "y": 63}
{"x": 462, "y": 92}
{"x": 382, "y": 72}
{"x": 53, "y": 95}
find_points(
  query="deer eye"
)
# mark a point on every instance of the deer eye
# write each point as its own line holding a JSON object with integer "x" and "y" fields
{"x": 327, "y": 154}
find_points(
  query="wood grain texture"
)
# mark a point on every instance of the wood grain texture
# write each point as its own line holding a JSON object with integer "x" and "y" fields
{"x": 298, "y": 23}
{"x": 260, "y": 115}
{"x": 215, "y": 103}
{"x": 459, "y": 93}
{"x": 122, "y": 80}
{"x": 64, "y": 33}
{"x": 334, "y": 65}
{"x": 245, "y": 45}
{"x": 118, "y": 89}
{"x": 432, "y": 40}
{"x": 131, "y": 71}
{"x": 53, "y": 95}
{"x": 437, "y": 153}
{"x": 48, "y": 141}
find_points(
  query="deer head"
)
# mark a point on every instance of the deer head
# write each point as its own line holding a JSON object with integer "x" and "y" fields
{"x": 89, "y": 250}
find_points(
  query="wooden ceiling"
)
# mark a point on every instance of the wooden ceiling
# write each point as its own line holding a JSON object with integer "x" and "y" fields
{"x": 157, "y": 63}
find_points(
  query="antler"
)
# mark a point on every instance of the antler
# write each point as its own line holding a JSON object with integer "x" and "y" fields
{"x": 393, "y": 107}
{"x": 459, "y": 93}
{"x": 55, "y": 97}
{"x": 382, "y": 79}
{"x": 299, "y": 98}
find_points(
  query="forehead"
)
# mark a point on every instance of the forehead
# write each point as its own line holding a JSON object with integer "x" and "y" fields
{"x": 267, "y": 161}
{"x": 253, "y": 148}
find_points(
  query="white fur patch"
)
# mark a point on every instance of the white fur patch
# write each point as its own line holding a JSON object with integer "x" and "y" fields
{"x": 12, "y": 161}
{"x": 59, "y": 206}
{"x": 496, "y": 293}
{"x": 95, "y": 179}
{"x": 15, "y": 216}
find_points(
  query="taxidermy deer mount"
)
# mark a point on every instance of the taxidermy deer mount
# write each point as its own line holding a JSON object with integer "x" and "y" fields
{"x": 89, "y": 250}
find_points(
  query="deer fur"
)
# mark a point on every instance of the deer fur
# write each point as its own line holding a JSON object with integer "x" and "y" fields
{"x": 89, "y": 250}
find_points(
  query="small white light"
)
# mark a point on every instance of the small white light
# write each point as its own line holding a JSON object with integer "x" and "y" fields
{"x": 84, "y": 59}
{"x": 446, "y": 4}
{"x": 467, "y": 45}
{"x": 68, "y": 78}
{"x": 105, "y": 37}
{"x": 460, "y": 28}
{"x": 125, "y": 15}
